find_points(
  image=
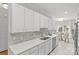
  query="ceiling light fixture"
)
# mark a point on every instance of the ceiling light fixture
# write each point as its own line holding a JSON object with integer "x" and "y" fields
{"x": 66, "y": 12}
{"x": 4, "y": 5}
{"x": 60, "y": 19}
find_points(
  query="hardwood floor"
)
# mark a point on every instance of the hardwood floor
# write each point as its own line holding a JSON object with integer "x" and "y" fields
{"x": 64, "y": 48}
{"x": 4, "y": 52}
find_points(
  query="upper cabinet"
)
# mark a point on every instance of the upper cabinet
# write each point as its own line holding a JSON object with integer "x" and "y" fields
{"x": 29, "y": 20}
{"x": 36, "y": 21}
{"x": 46, "y": 22}
{"x": 43, "y": 21}
{"x": 17, "y": 18}
{"x": 50, "y": 24}
{"x": 24, "y": 20}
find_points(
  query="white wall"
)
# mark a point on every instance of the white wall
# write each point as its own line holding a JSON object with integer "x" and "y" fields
{"x": 3, "y": 33}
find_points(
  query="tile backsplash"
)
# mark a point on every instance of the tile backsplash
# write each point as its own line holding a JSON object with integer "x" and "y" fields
{"x": 21, "y": 37}
{"x": 25, "y": 36}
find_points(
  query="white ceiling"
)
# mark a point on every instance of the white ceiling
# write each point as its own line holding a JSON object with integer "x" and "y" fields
{"x": 58, "y": 9}
{"x": 53, "y": 9}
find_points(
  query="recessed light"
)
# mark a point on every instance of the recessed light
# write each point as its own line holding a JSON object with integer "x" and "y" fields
{"x": 65, "y": 12}
{"x": 5, "y": 5}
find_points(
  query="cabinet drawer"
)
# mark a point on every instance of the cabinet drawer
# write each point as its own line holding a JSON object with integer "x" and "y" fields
{"x": 32, "y": 51}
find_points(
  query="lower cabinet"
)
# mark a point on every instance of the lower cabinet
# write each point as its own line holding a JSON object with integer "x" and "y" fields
{"x": 44, "y": 48}
{"x": 41, "y": 48}
{"x": 25, "y": 53}
{"x": 47, "y": 47}
{"x": 32, "y": 51}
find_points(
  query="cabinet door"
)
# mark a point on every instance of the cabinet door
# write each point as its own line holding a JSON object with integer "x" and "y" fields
{"x": 36, "y": 21}
{"x": 47, "y": 47}
{"x": 29, "y": 19}
{"x": 17, "y": 23}
{"x": 32, "y": 51}
{"x": 45, "y": 22}
{"x": 50, "y": 44}
{"x": 41, "y": 21}
{"x": 42, "y": 49}
{"x": 50, "y": 24}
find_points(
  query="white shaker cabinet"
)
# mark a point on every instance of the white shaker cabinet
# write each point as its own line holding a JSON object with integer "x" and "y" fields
{"x": 45, "y": 22}
{"x": 36, "y": 21}
{"x": 50, "y": 24}
{"x": 25, "y": 20}
{"x": 47, "y": 47}
{"x": 41, "y": 48}
{"x": 32, "y": 51}
{"x": 29, "y": 20}
{"x": 17, "y": 18}
{"x": 41, "y": 17}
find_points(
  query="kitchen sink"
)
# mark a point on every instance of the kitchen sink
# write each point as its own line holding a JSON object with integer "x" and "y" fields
{"x": 45, "y": 38}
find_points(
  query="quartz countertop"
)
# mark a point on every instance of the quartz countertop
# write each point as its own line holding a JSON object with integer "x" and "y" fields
{"x": 21, "y": 47}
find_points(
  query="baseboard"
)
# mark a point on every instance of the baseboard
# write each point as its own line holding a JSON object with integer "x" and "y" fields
{"x": 52, "y": 50}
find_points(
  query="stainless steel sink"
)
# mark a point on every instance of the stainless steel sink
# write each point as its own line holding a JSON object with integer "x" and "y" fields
{"x": 45, "y": 38}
